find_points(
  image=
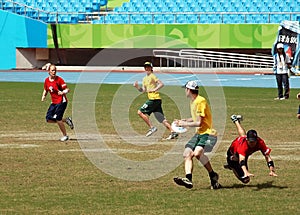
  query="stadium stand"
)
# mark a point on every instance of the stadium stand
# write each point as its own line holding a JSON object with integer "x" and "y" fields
{"x": 157, "y": 11}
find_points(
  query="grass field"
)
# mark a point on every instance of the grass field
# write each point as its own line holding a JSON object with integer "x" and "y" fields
{"x": 40, "y": 175}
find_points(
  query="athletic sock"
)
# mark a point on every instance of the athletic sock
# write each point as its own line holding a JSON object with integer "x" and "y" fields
{"x": 212, "y": 174}
{"x": 189, "y": 176}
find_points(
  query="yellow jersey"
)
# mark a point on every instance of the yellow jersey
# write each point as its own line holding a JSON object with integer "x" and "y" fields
{"x": 200, "y": 107}
{"x": 150, "y": 82}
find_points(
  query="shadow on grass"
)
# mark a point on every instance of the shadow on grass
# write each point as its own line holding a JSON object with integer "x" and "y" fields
{"x": 266, "y": 185}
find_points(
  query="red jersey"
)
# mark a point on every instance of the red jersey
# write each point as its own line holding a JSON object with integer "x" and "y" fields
{"x": 240, "y": 146}
{"x": 53, "y": 87}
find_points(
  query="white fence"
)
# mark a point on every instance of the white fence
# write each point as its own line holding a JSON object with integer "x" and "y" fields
{"x": 191, "y": 58}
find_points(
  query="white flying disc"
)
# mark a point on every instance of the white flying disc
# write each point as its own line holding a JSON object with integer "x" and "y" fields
{"x": 178, "y": 129}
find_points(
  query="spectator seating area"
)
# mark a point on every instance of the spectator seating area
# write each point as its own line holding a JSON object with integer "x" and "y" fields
{"x": 63, "y": 11}
{"x": 157, "y": 11}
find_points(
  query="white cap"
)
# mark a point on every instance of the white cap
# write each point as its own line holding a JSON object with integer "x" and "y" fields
{"x": 46, "y": 66}
{"x": 191, "y": 85}
{"x": 279, "y": 46}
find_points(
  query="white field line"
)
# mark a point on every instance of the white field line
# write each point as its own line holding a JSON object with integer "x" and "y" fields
{"x": 18, "y": 146}
{"x": 276, "y": 146}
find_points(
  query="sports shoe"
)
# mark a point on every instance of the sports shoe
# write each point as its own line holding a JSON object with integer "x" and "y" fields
{"x": 281, "y": 98}
{"x": 235, "y": 118}
{"x": 214, "y": 182}
{"x": 245, "y": 179}
{"x": 183, "y": 182}
{"x": 69, "y": 122}
{"x": 64, "y": 138}
{"x": 151, "y": 131}
{"x": 172, "y": 136}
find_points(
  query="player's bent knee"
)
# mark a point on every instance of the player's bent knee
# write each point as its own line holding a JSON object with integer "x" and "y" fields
{"x": 188, "y": 153}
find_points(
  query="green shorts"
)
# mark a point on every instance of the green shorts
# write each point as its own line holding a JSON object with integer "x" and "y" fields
{"x": 197, "y": 140}
{"x": 151, "y": 106}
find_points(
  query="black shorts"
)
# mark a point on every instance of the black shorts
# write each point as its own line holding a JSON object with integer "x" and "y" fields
{"x": 56, "y": 111}
{"x": 235, "y": 166}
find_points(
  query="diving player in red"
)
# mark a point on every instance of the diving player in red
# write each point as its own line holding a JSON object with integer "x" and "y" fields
{"x": 242, "y": 147}
{"x": 58, "y": 89}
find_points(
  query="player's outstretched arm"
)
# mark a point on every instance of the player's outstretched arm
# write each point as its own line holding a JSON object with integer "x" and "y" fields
{"x": 271, "y": 166}
{"x": 190, "y": 122}
{"x": 242, "y": 162}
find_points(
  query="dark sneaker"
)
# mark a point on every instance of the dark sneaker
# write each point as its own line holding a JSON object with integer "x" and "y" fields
{"x": 151, "y": 131}
{"x": 214, "y": 182}
{"x": 183, "y": 182}
{"x": 245, "y": 179}
{"x": 69, "y": 122}
{"x": 172, "y": 136}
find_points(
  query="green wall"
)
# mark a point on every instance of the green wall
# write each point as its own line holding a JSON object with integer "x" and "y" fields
{"x": 223, "y": 36}
{"x": 116, "y": 3}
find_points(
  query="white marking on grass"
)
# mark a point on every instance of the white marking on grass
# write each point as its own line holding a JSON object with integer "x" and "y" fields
{"x": 120, "y": 151}
{"x": 18, "y": 146}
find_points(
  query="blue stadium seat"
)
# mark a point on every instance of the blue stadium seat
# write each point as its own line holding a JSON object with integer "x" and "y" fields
{"x": 169, "y": 18}
{"x": 192, "y": 18}
{"x": 81, "y": 6}
{"x": 181, "y": 19}
{"x": 148, "y": 19}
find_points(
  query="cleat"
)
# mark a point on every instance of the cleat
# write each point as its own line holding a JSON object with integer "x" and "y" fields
{"x": 151, "y": 131}
{"x": 64, "y": 138}
{"x": 280, "y": 98}
{"x": 216, "y": 186}
{"x": 172, "y": 136}
{"x": 245, "y": 179}
{"x": 214, "y": 182}
{"x": 183, "y": 182}
{"x": 235, "y": 118}
{"x": 69, "y": 122}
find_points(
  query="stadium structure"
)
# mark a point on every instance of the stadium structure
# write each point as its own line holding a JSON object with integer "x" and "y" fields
{"x": 185, "y": 33}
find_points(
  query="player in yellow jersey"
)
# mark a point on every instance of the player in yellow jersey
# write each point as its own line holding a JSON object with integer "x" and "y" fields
{"x": 202, "y": 120}
{"x": 151, "y": 85}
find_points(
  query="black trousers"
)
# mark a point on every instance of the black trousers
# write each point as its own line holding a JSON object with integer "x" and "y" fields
{"x": 283, "y": 80}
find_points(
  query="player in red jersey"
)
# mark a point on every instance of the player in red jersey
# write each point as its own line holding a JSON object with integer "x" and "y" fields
{"x": 242, "y": 147}
{"x": 58, "y": 89}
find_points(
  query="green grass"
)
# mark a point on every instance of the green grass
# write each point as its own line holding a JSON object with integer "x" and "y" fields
{"x": 51, "y": 179}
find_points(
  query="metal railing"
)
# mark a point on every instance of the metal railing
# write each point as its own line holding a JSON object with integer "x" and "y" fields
{"x": 191, "y": 58}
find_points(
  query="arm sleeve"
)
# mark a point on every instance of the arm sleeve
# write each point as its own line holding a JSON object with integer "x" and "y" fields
{"x": 62, "y": 84}
{"x": 263, "y": 148}
{"x": 201, "y": 108}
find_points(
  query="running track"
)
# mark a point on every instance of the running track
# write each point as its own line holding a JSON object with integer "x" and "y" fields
{"x": 235, "y": 80}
